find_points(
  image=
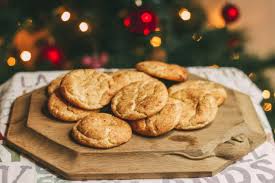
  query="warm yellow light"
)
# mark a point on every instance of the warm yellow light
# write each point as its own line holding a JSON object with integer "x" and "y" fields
{"x": 267, "y": 107}
{"x": 155, "y": 41}
{"x": 157, "y": 29}
{"x": 215, "y": 66}
{"x": 83, "y": 26}
{"x": 184, "y": 14}
{"x": 235, "y": 56}
{"x": 252, "y": 76}
{"x": 11, "y": 61}
{"x": 196, "y": 37}
{"x": 266, "y": 94}
{"x": 65, "y": 16}
{"x": 138, "y": 2}
{"x": 26, "y": 56}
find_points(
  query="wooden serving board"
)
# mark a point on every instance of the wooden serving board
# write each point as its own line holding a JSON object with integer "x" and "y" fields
{"x": 47, "y": 140}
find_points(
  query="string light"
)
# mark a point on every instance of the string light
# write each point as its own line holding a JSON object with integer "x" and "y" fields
{"x": 146, "y": 17}
{"x": 235, "y": 56}
{"x": 157, "y": 29}
{"x": 65, "y": 16}
{"x": 252, "y": 76}
{"x": 11, "y": 61}
{"x": 197, "y": 37}
{"x": 138, "y": 2}
{"x": 27, "y": 22}
{"x": 83, "y": 26}
{"x": 267, "y": 106}
{"x": 127, "y": 22}
{"x": 266, "y": 94}
{"x": 25, "y": 56}
{"x": 155, "y": 41}
{"x": 184, "y": 14}
{"x": 146, "y": 32}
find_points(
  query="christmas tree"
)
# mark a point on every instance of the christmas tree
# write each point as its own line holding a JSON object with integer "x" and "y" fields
{"x": 55, "y": 35}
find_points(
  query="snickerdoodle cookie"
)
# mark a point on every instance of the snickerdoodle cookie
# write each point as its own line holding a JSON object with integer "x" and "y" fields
{"x": 54, "y": 84}
{"x": 124, "y": 78}
{"x": 101, "y": 130}
{"x": 140, "y": 99}
{"x": 197, "y": 110}
{"x": 201, "y": 87}
{"x": 163, "y": 70}
{"x": 87, "y": 88}
{"x": 161, "y": 122}
{"x": 63, "y": 110}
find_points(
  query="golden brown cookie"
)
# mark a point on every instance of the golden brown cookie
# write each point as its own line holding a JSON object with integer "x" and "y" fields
{"x": 63, "y": 110}
{"x": 161, "y": 122}
{"x": 197, "y": 110}
{"x": 140, "y": 99}
{"x": 54, "y": 84}
{"x": 101, "y": 130}
{"x": 163, "y": 70}
{"x": 201, "y": 87}
{"x": 124, "y": 78}
{"x": 87, "y": 88}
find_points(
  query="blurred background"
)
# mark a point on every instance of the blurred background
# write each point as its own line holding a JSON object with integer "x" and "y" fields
{"x": 62, "y": 35}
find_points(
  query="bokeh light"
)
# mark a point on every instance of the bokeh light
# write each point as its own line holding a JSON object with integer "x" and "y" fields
{"x": 155, "y": 41}
{"x": 252, "y": 76}
{"x": 83, "y": 26}
{"x": 184, "y": 14}
{"x": 146, "y": 32}
{"x": 235, "y": 56}
{"x": 11, "y": 61}
{"x": 197, "y": 37}
{"x": 267, "y": 106}
{"x": 266, "y": 94}
{"x": 138, "y": 2}
{"x": 146, "y": 17}
{"x": 65, "y": 16}
{"x": 25, "y": 56}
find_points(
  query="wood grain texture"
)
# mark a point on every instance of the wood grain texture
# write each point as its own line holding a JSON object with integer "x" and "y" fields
{"x": 47, "y": 141}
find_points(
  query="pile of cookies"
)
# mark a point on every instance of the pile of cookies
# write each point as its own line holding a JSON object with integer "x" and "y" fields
{"x": 133, "y": 100}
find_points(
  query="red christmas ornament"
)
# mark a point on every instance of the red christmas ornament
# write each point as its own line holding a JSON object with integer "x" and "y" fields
{"x": 141, "y": 22}
{"x": 230, "y": 13}
{"x": 53, "y": 54}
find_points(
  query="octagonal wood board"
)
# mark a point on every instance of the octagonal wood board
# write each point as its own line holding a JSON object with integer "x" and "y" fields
{"x": 34, "y": 132}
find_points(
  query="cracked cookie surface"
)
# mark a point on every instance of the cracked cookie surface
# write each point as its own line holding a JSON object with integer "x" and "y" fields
{"x": 140, "y": 99}
{"x": 163, "y": 70}
{"x": 54, "y": 84}
{"x": 63, "y": 110}
{"x": 201, "y": 87}
{"x": 161, "y": 122}
{"x": 197, "y": 110}
{"x": 101, "y": 130}
{"x": 124, "y": 78}
{"x": 87, "y": 88}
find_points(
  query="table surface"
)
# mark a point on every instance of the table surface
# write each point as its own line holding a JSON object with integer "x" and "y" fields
{"x": 257, "y": 166}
